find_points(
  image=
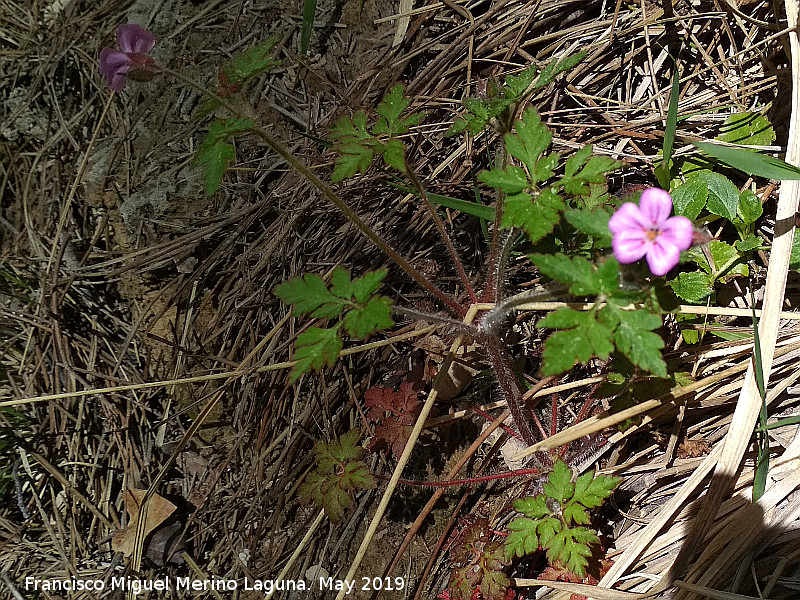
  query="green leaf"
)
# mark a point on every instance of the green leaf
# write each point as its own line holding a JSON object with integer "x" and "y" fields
{"x": 532, "y": 138}
{"x": 634, "y": 337}
{"x": 663, "y": 170}
{"x": 572, "y": 547}
{"x": 314, "y": 348}
{"x": 578, "y": 273}
{"x": 330, "y": 455}
{"x": 794, "y": 260}
{"x": 690, "y": 197}
{"x": 575, "y": 182}
{"x": 692, "y": 287}
{"x": 309, "y": 12}
{"x": 725, "y": 257}
{"x": 591, "y": 490}
{"x": 373, "y": 316}
{"x": 559, "y": 486}
{"x": 214, "y": 153}
{"x": 510, "y": 180}
{"x": 368, "y": 284}
{"x": 751, "y": 162}
{"x": 532, "y": 506}
{"x": 591, "y": 222}
{"x": 537, "y": 217}
{"x": 554, "y": 68}
{"x": 253, "y": 61}
{"x": 394, "y": 155}
{"x": 309, "y": 294}
{"x": 584, "y": 338}
{"x": 523, "y": 539}
{"x": 356, "y": 476}
{"x": 723, "y": 196}
{"x": 354, "y": 145}
{"x": 575, "y": 513}
{"x": 750, "y": 208}
{"x": 548, "y": 528}
{"x": 751, "y": 129}
{"x": 750, "y": 243}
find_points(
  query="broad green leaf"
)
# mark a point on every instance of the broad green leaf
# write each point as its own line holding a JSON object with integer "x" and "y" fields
{"x": 356, "y": 476}
{"x": 690, "y": 197}
{"x": 723, "y": 196}
{"x": 537, "y": 217}
{"x": 553, "y": 68}
{"x": 584, "y": 337}
{"x": 354, "y": 145}
{"x": 390, "y": 123}
{"x": 751, "y": 242}
{"x": 548, "y": 528}
{"x": 725, "y": 257}
{"x": 353, "y": 158}
{"x": 750, "y": 208}
{"x": 516, "y": 85}
{"x": 576, "y": 180}
{"x": 394, "y": 155}
{"x": 751, "y": 162}
{"x": 309, "y": 294}
{"x": 315, "y": 348}
{"x": 750, "y": 129}
{"x": 692, "y": 287}
{"x": 373, "y": 316}
{"x": 575, "y": 513}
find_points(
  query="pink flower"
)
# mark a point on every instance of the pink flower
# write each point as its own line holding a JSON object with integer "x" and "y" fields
{"x": 132, "y": 61}
{"x": 648, "y": 230}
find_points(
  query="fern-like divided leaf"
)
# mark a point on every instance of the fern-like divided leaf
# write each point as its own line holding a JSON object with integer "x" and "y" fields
{"x": 530, "y": 202}
{"x": 352, "y": 301}
{"x": 357, "y": 143}
{"x": 338, "y": 474}
{"x": 554, "y": 519}
{"x": 215, "y": 152}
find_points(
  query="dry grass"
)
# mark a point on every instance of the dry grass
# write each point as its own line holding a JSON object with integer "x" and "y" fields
{"x": 143, "y": 347}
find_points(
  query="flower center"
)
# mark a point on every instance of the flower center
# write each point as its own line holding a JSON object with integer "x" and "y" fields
{"x": 653, "y": 234}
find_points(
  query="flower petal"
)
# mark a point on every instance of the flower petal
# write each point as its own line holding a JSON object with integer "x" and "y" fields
{"x": 656, "y": 206}
{"x": 678, "y": 231}
{"x": 117, "y": 81}
{"x": 133, "y": 38}
{"x": 630, "y": 245}
{"x": 662, "y": 256}
{"x": 112, "y": 60}
{"x": 628, "y": 218}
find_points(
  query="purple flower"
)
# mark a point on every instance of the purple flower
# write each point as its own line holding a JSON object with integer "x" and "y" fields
{"x": 648, "y": 230}
{"x": 117, "y": 66}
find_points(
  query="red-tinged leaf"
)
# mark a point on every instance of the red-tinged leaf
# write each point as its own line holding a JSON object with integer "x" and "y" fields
{"x": 390, "y": 435}
{"x": 402, "y": 403}
{"x": 559, "y": 574}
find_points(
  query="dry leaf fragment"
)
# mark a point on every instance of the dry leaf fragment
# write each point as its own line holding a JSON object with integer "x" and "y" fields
{"x": 158, "y": 511}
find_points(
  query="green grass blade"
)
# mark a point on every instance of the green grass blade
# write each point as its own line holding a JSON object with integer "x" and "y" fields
{"x": 762, "y": 466}
{"x": 309, "y": 12}
{"x": 781, "y": 423}
{"x": 750, "y": 162}
{"x": 662, "y": 172}
{"x": 471, "y": 208}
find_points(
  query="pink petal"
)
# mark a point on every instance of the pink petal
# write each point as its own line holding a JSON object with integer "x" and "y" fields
{"x": 679, "y": 232}
{"x": 628, "y": 218}
{"x": 630, "y": 245}
{"x": 133, "y": 38}
{"x": 112, "y": 61}
{"x": 662, "y": 256}
{"x": 656, "y": 206}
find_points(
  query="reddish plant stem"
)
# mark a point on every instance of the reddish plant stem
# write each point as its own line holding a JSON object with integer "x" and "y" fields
{"x": 490, "y": 418}
{"x": 509, "y": 385}
{"x": 468, "y": 481}
{"x": 443, "y": 232}
{"x": 334, "y": 199}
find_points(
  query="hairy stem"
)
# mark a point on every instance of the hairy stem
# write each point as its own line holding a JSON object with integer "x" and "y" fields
{"x": 509, "y": 385}
{"x": 326, "y": 191}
